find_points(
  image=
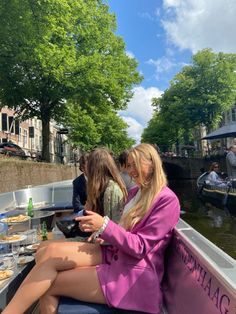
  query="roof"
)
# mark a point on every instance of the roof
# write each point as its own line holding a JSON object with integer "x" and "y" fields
{"x": 223, "y": 132}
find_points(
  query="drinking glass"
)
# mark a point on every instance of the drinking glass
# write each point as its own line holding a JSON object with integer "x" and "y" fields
{"x": 15, "y": 248}
{"x": 32, "y": 236}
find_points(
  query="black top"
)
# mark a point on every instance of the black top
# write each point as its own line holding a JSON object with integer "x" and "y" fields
{"x": 79, "y": 193}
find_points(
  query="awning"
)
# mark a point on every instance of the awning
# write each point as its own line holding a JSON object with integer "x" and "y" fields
{"x": 223, "y": 132}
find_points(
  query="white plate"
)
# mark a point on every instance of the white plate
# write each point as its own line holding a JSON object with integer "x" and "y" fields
{"x": 8, "y": 220}
{"x": 21, "y": 238}
{"x": 7, "y": 261}
{"x": 22, "y": 260}
{"x": 10, "y": 273}
{"x": 33, "y": 247}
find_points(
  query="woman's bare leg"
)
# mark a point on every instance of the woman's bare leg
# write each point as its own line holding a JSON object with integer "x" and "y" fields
{"x": 51, "y": 259}
{"x": 79, "y": 283}
{"x": 90, "y": 254}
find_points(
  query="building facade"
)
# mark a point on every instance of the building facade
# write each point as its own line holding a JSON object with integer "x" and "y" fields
{"x": 28, "y": 135}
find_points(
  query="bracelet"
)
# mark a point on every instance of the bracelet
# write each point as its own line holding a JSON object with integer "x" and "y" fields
{"x": 103, "y": 227}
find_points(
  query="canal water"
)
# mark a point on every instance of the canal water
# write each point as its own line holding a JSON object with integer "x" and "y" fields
{"x": 214, "y": 223}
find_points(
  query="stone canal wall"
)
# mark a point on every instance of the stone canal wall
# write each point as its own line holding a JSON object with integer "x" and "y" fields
{"x": 18, "y": 174}
{"x": 189, "y": 168}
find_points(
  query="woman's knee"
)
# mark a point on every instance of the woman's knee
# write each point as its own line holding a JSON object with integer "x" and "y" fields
{"x": 45, "y": 252}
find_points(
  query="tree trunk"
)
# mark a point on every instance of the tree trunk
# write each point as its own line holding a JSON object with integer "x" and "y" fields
{"x": 45, "y": 137}
{"x": 177, "y": 147}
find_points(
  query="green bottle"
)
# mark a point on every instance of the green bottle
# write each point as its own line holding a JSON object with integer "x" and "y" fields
{"x": 44, "y": 232}
{"x": 30, "y": 211}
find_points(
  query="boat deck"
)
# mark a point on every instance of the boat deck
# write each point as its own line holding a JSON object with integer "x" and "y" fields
{"x": 199, "y": 277}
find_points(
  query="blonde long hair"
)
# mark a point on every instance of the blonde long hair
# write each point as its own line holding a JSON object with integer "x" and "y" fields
{"x": 101, "y": 168}
{"x": 150, "y": 186}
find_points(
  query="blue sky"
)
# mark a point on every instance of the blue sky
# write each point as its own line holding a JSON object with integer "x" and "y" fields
{"x": 162, "y": 35}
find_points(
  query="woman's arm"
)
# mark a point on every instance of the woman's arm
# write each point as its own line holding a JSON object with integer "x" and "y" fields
{"x": 155, "y": 226}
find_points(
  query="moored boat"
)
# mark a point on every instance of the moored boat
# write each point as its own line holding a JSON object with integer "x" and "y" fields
{"x": 219, "y": 196}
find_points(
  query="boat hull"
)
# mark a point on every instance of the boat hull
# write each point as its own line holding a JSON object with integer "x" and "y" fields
{"x": 221, "y": 197}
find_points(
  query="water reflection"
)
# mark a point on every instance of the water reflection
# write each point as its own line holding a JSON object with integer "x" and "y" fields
{"x": 214, "y": 223}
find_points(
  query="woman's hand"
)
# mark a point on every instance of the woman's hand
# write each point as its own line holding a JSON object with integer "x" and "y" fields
{"x": 91, "y": 222}
{"x": 95, "y": 240}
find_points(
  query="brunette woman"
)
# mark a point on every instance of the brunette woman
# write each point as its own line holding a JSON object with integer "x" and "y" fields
{"x": 106, "y": 190}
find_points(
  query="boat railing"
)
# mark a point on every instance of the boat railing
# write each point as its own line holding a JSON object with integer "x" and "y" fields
{"x": 200, "y": 277}
{"x": 48, "y": 194}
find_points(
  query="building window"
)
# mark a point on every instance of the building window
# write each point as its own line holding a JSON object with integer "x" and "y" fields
{"x": 228, "y": 118}
{"x": 233, "y": 112}
{"x": 4, "y": 122}
{"x": 25, "y": 138}
{"x": 17, "y": 127}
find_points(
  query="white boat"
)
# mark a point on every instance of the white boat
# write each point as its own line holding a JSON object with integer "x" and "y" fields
{"x": 199, "y": 279}
{"x": 222, "y": 197}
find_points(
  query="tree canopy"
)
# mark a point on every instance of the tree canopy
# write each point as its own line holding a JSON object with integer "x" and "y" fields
{"x": 197, "y": 96}
{"x": 92, "y": 127}
{"x": 52, "y": 51}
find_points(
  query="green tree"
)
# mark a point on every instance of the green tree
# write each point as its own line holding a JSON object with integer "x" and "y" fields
{"x": 55, "y": 50}
{"x": 93, "y": 127}
{"x": 161, "y": 133}
{"x": 197, "y": 95}
{"x": 113, "y": 132}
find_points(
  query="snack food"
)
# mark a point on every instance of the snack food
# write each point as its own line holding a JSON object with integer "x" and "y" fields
{"x": 33, "y": 247}
{"x": 13, "y": 237}
{"x": 4, "y": 274}
{"x": 25, "y": 259}
{"x": 13, "y": 219}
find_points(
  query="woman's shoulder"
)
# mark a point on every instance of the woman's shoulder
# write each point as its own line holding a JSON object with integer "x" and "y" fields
{"x": 166, "y": 194}
{"x": 79, "y": 179}
{"x": 113, "y": 187}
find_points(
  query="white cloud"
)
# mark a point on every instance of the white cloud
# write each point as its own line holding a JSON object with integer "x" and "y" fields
{"x": 146, "y": 15}
{"x": 198, "y": 24}
{"x": 135, "y": 129}
{"x": 130, "y": 54}
{"x": 163, "y": 64}
{"x": 139, "y": 110}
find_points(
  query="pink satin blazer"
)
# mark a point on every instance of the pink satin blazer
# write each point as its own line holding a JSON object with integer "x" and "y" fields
{"x": 133, "y": 266}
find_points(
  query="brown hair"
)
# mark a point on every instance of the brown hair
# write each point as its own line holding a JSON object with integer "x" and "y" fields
{"x": 101, "y": 168}
{"x": 150, "y": 187}
{"x": 212, "y": 166}
{"x": 122, "y": 158}
{"x": 82, "y": 161}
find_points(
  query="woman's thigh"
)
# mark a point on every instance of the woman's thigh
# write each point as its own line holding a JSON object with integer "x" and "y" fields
{"x": 80, "y": 283}
{"x": 82, "y": 254}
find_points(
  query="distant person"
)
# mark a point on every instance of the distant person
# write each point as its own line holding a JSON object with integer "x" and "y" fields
{"x": 79, "y": 185}
{"x": 214, "y": 177}
{"x": 231, "y": 162}
{"x": 122, "y": 159}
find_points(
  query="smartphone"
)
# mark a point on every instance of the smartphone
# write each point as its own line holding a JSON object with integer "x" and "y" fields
{"x": 73, "y": 216}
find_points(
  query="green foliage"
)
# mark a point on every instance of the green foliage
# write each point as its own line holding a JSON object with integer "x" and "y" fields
{"x": 93, "y": 127}
{"x": 161, "y": 133}
{"x": 55, "y": 50}
{"x": 197, "y": 96}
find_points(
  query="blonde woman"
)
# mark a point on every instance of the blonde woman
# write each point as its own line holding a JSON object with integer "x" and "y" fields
{"x": 127, "y": 273}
